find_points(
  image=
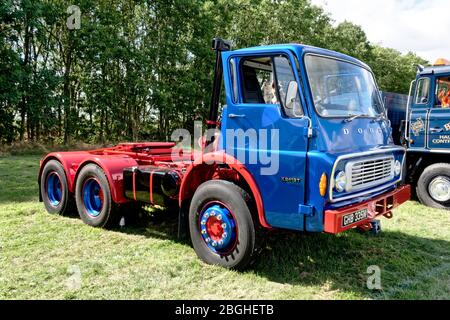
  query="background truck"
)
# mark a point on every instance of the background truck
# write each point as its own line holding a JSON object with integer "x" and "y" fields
{"x": 421, "y": 123}
{"x": 335, "y": 165}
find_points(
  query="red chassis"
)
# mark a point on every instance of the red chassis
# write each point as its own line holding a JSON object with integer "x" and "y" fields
{"x": 192, "y": 174}
{"x": 193, "y": 171}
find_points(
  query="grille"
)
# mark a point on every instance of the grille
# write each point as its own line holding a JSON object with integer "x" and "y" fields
{"x": 370, "y": 172}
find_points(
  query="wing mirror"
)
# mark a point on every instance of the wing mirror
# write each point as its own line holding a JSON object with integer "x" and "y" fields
{"x": 291, "y": 94}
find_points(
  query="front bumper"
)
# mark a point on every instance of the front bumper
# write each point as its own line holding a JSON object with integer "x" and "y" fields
{"x": 380, "y": 206}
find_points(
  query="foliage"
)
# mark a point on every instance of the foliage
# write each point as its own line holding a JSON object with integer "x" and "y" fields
{"x": 138, "y": 69}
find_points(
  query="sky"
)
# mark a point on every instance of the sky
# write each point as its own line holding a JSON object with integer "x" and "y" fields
{"x": 420, "y": 26}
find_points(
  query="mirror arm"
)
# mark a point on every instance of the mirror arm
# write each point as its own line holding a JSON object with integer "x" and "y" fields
{"x": 310, "y": 128}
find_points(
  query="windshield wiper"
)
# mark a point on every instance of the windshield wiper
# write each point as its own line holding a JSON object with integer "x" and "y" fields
{"x": 378, "y": 117}
{"x": 352, "y": 117}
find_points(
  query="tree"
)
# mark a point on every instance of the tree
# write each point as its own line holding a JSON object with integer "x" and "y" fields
{"x": 139, "y": 69}
{"x": 393, "y": 70}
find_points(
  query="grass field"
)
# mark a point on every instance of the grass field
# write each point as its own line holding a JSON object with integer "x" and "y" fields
{"x": 51, "y": 257}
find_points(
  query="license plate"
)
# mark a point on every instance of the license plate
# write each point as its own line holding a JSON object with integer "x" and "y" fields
{"x": 355, "y": 217}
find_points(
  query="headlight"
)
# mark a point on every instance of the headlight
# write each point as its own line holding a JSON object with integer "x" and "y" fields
{"x": 340, "y": 181}
{"x": 397, "y": 168}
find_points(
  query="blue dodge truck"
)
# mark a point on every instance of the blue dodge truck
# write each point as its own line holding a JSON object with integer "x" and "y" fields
{"x": 421, "y": 123}
{"x": 302, "y": 144}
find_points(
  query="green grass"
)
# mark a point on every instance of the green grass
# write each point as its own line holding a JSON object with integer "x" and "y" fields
{"x": 38, "y": 253}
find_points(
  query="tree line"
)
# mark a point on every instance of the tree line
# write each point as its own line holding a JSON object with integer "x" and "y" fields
{"x": 136, "y": 70}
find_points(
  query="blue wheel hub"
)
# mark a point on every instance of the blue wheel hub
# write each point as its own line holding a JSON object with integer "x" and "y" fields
{"x": 218, "y": 228}
{"x": 54, "y": 189}
{"x": 92, "y": 197}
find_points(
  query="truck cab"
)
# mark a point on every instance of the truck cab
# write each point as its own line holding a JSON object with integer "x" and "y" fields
{"x": 302, "y": 143}
{"x": 333, "y": 132}
{"x": 427, "y": 135}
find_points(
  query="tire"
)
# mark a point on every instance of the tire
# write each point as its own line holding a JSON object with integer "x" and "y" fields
{"x": 93, "y": 198}
{"x": 54, "y": 189}
{"x": 435, "y": 177}
{"x": 222, "y": 203}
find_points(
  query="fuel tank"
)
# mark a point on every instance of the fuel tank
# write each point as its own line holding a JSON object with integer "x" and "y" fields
{"x": 151, "y": 184}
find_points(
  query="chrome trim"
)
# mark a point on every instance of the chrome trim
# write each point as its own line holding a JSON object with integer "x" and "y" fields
{"x": 426, "y": 143}
{"x": 408, "y": 106}
{"x": 439, "y": 151}
{"x": 310, "y": 127}
{"x": 362, "y": 154}
{"x": 365, "y": 193}
{"x": 381, "y": 170}
{"x": 439, "y": 189}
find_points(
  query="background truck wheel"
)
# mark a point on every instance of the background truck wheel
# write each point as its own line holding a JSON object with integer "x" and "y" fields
{"x": 376, "y": 227}
{"x": 221, "y": 225}
{"x": 54, "y": 190}
{"x": 433, "y": 187}
{"x": 93, "y": 198}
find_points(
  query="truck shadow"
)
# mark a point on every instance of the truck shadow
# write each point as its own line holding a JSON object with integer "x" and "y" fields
{"x": 334, "y": 263}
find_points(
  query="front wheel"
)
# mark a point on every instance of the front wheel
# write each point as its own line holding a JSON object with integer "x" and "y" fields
{"x": 221, "y": 225}
{"x": 433, "y": 187}
{"x": 93, "y": 197}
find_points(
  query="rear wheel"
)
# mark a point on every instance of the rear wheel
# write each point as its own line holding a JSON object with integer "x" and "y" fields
{"x": 221, "y": 225}
{"x": 433, "y": 187}
{"x": 54, "y": 189}
{"x": 93, "y": 197}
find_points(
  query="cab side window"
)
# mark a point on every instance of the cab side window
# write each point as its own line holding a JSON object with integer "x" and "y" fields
{"x": 443, "y": 92}
{"x": 265, "y": 80}
{"x": 422, "y": 91}
{"x": 258, "y": 81}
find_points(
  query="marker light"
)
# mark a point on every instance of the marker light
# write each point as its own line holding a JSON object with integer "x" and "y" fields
{"x": 397, "y": 168}
{"x": 340, "y": 181}
{"x": 323, "y": 184}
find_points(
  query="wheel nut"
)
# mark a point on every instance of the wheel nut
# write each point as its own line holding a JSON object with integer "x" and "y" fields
{"x": 214, "y": 244}
{"x": 224, "y": 225}
{"x": 219, "y": 217}
{"x": 207, "y": 239}
{"x": 203, "y": 231}
{"x": 221, "y": 242}
{"x": 224, "y": 235}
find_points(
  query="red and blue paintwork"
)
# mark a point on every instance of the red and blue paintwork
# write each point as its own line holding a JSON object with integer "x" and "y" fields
{"x": 295, "y": 206}
{"x": 218, "y": 227}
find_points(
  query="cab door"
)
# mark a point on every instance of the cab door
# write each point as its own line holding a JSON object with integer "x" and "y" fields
{"x": 439, "y": 116}
{"x": 258, "y": 126}
{"x": 420, "y": 108}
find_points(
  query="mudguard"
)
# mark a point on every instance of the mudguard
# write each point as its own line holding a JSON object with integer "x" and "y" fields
{"x": 112, "y": 165}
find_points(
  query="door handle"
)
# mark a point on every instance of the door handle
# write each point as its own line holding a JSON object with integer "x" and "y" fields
{"x": 234, "y": 116}
{"x": 436, "y": 130}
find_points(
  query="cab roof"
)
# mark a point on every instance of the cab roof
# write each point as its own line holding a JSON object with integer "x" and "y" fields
{"x": 434, "y": 70}
{"x": 300, "y": 49}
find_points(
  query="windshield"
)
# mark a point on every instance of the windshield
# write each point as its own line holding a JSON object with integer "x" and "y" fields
{"x": 342, "y": 89}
